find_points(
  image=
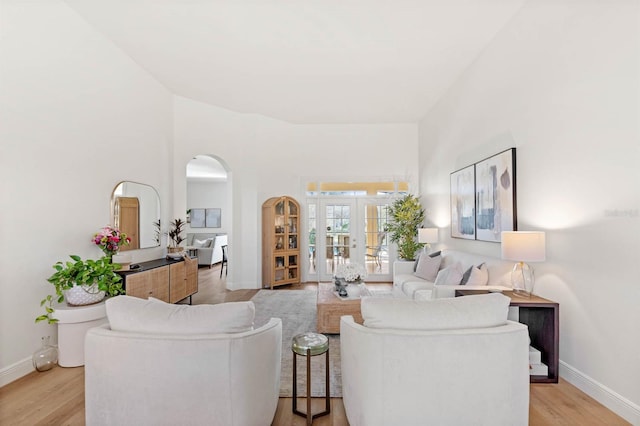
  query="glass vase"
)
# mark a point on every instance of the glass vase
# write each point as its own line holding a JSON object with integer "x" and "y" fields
{"x": 46, "y": 357}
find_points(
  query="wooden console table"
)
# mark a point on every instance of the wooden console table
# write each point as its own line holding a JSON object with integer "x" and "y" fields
{"x": 542, "y": 317}
{"x": 165, "y": 279}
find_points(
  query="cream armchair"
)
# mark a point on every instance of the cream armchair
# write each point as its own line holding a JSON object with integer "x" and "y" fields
{"x": 157, "y": 373}
{"x": 438, "y": 362}
{"x": 209, "y": 247}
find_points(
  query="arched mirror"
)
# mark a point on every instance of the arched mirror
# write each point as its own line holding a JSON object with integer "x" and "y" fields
{"x": 136, "y": 212}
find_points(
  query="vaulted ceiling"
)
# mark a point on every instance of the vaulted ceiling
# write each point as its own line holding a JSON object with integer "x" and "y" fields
{"x": 305, "y": 61}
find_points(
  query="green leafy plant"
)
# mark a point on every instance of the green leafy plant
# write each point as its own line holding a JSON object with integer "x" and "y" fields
{"x": 175, "y": 233}
{"x": 85, "y": 273}
{"x": 405, "y": 216}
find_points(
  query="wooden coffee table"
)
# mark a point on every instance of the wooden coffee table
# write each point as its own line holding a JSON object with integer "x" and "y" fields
{"x": 331, "y": 308}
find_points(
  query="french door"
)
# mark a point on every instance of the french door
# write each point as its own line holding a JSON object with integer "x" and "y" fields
{"x": 347, "y": 230}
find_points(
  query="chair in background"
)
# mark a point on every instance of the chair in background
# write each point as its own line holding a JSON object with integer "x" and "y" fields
{"x": 375, "y": 250}
{"x": 208, "y": 246}
{"x": 224, "y": 261}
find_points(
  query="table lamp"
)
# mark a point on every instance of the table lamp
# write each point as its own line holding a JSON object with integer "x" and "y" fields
{"x": 523, "y": 246}
{"x": 427, "y": 236}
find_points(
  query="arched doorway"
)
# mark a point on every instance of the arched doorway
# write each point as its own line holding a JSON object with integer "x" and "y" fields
{"x": 209, "y": 197}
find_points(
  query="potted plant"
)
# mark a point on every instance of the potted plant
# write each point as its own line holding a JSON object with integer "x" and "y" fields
{"x": 82, "y": 282}
{"x": 175, "y": 235}
{"x": 405, "y": 216}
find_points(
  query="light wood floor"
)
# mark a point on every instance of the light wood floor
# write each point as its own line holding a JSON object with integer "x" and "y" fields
{"x": 56, "y": 397}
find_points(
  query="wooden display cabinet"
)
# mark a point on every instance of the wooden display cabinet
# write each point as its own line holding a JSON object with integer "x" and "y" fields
{"x": 280, "y": 242}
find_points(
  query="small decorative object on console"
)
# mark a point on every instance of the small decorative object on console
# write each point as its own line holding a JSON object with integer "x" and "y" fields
{"x": 175, "y": 236}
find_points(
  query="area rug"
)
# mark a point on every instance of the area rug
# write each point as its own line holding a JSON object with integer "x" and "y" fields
{"x": 297, "y": 310}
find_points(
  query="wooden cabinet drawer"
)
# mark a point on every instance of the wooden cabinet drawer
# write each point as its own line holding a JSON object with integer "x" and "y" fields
{"x": 151, "y": 283}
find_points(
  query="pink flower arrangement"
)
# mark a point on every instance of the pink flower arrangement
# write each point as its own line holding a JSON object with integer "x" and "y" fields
{"x": 109, "y": 239}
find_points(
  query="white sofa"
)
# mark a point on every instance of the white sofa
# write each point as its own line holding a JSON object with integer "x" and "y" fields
{"x": 437, "y": 362}
{"x": 407, "y": 284}
{"x": 209, "y": 247}
{"x": 163, "y": 364}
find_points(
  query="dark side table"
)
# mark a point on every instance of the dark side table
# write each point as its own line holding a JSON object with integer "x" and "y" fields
{"x": 542, "y": 316}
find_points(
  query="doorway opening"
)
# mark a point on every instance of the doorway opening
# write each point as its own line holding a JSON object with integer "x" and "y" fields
{"x": 345, "y": 223}
{"x": 209, "y": 202}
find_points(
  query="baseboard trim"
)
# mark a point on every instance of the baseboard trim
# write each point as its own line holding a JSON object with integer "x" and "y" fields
{"x": 16, "y": 371}
{"x": 607, "y": 397}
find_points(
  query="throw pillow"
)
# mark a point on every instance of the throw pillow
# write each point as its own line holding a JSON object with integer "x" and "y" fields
{"x": 484, "y": 310}
{"x": 208, "y": 243}
{"x": 132, "y": 314}
{"x": 479, "y": 275}
{"x": 428, "y": 267}
{"x": 466, "y": 275}
{"x": 476, "y": 275}
{"x": 434, "y": 254}
{"x": 199, "y": 243}
{"x": 451, "y": 275}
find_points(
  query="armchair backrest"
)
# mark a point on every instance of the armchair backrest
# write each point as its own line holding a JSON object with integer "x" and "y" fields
{"x": 136, "y": 378}
{"x": 434, "y": 376}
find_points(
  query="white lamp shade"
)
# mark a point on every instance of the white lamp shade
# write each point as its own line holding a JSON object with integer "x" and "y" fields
{"x": 523, "y": 246}
{"x": 428, "y": 235}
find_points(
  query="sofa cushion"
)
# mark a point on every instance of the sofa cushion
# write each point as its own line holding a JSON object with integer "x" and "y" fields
{"x": 132, "y": 314}
{"x": 451, "y": 275}
{"x": 402, "y": 279}
{"x": 485, "y": 310}
{"x": 476, "y": 275}
{"x": 411, "y": 287}
{"x": 428, "y": 267}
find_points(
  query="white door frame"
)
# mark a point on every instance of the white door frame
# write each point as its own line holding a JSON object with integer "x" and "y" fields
{"x": 356, "y": 243}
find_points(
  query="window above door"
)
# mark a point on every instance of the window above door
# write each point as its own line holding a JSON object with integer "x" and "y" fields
{"x": 356, "y": 189}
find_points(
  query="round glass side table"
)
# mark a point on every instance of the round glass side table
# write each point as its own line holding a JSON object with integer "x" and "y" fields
{"x": 308, "y": 345}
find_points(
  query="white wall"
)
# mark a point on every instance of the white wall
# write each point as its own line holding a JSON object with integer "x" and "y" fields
{"x": 561, "y": 83}
{"x": 203, "y": 194}
{"x": 77, "y": 117}
{"x": 269, "y": 157}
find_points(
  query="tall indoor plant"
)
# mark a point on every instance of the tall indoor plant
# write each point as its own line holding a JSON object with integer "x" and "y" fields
{"x": 95, "y": 277}
{"x": 405, "y": 216}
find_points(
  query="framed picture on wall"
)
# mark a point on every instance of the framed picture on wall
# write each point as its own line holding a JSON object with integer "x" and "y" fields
{"x": 197, "y": 218}
{"x": 213, "y": 218}
{"x": 496, "y": 196}
{"x": 463, "y": 221}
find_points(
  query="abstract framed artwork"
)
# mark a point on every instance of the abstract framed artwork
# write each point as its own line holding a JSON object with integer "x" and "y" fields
{"x": 463, "y": 224}
{"x": 495, "y": 196}
{"x": 197, "y": 218}
{"x": 213, "y": 218}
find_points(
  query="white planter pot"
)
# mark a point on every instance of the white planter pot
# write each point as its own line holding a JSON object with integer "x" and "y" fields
{"x": 354, "y": 290}
{"x": 83, "y": 295}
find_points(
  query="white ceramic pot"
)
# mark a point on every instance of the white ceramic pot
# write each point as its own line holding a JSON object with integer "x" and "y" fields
{"x": 353, "y": 290}
{"x": 83, "y": 295}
